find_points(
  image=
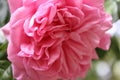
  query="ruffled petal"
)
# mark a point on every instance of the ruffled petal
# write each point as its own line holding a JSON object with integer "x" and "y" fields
{"x": 55, "y": 39}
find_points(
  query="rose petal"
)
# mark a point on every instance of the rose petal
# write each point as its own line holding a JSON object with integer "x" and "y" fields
{"x": 6, "y": 31}
{"x": 105, "y": 42}
{"x": 76, "y": 3}
{"x": 55, "y": 39}
{"x": 95, "y": 3}
{"x": 14, "y": 4}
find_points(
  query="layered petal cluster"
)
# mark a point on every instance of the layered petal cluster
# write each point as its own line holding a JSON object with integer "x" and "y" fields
{"x": 55, "y": 39}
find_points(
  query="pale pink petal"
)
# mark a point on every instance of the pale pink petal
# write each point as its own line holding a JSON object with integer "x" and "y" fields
{"x": 19, "y": 14}
{"x": 76, "y": 3}
{"x": 14, "y": 4}
{"x": 55, "y": 39}
{"x": 18, "y": 68}
{"x": 6, "y": 30}
{"x": 95, "y": 3}
{"x": 54, "y": 55}
{"x": 28, "y": 2}
{"x": 105, "y": 42}
{"x": 94, "y": 55}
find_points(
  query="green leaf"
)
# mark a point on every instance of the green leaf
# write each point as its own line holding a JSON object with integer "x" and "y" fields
{"x": 115, "y": 47}
{"x": 3, "y": 49}
{"x": 111, "y": 8}
{"x": 101, "y": 53}
{"x": 118, "y": 4}
{"x": 5, "y": 70}
{"x": 3, "y": 11}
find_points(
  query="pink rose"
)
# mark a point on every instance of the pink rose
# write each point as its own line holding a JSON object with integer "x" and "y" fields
{"x": 55, "y": 39}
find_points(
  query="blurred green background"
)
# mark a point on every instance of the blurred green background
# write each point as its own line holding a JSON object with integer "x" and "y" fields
{"x": 106, "y": 68}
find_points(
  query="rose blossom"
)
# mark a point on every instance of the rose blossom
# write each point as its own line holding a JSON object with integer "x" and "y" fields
{"x": 55, "y": 39}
